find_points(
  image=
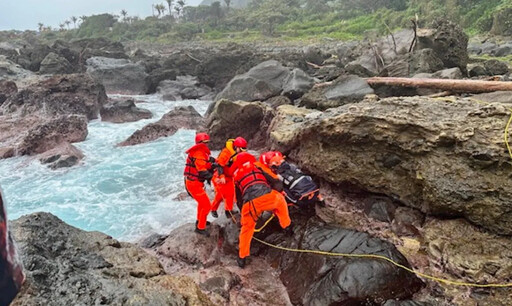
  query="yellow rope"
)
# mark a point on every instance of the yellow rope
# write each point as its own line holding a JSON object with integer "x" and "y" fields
{"x": 423, "y": 275}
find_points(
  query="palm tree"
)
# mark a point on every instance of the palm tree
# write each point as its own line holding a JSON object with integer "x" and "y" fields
{"x": 228, "y": 3}
{"x": 83, "y": 18}
{"x": 163, "y": 9}
{"x": 124, "y": 13}
{"x": 74, "y": 19}
{"x": 61, "y": 26}
{"x": 179, "y": 7}
{"x": 67, "y": 22}
{"x": 169, "y": 4}
{"x": 40, "y": 26}
{"x": 158, "y": 9}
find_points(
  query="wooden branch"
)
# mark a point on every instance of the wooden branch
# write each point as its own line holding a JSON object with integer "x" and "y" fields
{"x": 415, "y": 29}
{"x": 314, "y": 65}
{"x": 472, "y": 86}
{"x": 320, "y": 85}
{"x": 193, "y": 58}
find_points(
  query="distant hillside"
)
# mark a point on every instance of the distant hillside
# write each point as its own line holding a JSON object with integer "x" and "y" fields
{"x": 234, "y": 3}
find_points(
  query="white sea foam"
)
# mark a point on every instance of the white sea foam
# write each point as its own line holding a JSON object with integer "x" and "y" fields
{"x": 126, "y": 192}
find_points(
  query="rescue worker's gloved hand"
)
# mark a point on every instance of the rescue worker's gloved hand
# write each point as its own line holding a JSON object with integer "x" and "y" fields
{"x": 211, "y": 160}
{"x": 205, "y": 175}
{"x": 221, "y": 180}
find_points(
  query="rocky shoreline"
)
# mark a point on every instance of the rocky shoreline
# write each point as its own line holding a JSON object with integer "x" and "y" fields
{"x": 420, "y": 180}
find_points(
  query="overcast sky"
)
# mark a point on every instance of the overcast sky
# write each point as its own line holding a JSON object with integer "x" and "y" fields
{"x": 26, "y": 14}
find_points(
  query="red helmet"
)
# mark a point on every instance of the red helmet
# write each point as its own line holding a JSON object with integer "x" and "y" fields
{"x": 240, "y": 142}
{"x": 276, "y": 161}
{"x": 243, "y": 158}
{"x": 202, "y": 137}
{"x": 267, "y": 156}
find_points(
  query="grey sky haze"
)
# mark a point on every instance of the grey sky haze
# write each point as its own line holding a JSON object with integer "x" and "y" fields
{"x": 26, "y": 14}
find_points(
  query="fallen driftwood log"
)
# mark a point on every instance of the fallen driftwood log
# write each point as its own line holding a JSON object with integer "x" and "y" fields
{"x": 472, "y": 86}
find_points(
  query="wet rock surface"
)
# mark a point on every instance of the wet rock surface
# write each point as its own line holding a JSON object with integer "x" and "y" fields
{"x": 58, "y": 95}
{"x": 178, "y": 118}
{"x": 63, "y": 156}
{"x": 55, "y": 64}
{"x": 65, "y": 265}
{"x": 120, "y": 111}
{"x": 184, "y": 88}
{"x": 232, "y": 119}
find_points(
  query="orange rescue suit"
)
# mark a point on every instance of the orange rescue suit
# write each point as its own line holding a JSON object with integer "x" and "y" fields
{"x": 225, "y": 191}
{"x": 253, "y": 187}
{"x": 198, "y": 164}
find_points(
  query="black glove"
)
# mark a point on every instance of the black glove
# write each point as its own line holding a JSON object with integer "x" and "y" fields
{"x": 211, "y": 160}
{"x": 205, "y": 175}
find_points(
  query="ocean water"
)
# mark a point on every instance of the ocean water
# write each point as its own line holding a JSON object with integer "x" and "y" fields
{"x": 125, "y": 192}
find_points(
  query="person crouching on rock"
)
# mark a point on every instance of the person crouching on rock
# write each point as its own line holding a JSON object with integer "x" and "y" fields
{"x": 198, "y": 169}
{"x": 299, "y": 188}
{"x": 254, "y": 193}
{"x": 223, "y": 179}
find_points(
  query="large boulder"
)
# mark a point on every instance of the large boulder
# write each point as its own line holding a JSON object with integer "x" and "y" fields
{"x": 66, "y": 266}
{"x": 178, "y": 118}
{"x": 50, "y": 134}
{"x": 322, "y": 280}
{"x": 9, "y": 70}
{"x": 450, "y": 73}
{"x": 55, "y": 64}
{"x": 98, "y": 47}
{"x": 448, "y": 41}
{"x": 265, "y": 81}
{"x": 183, "y": 88}
{"x": 58, "y": 95}
{"x": 156, "y": 76}
{"x": 421, "y": 61}
{"x": 7, "y": 89}
{"x": 496, "y": 67}
{"x": 260, "y": 83}
{"x": 232, "y": 119}
{"x": 445, "y": 159}
{"x": 120, "y": 111}
{"x": 31, "y": 56}
{"x": 344, "y": 90}
{"x": 63, "y": 156}
{"x": 118, "y": 75}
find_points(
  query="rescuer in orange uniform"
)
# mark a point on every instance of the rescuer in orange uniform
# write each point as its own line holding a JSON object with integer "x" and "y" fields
{"x": 223, "y": 179}
{"x": 254, "y": 190}
{"x": 199, "y": 168}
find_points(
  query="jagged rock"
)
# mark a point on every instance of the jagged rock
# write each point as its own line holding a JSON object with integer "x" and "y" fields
{"x": 407, "y": 221}
{"x": 118, "y": 75}
{"x": 55, "y": 64}
{"x": 98, "y": 47}
{"x": 495, "y": 67}
{"x": 58, "y": 95}
{"x": 315, "y": 55}
{"x": 158, "y": 75}
{"x": 448, "y": 41}
{"x": 178, "y": 118}
{"x": 52, "y": 133}
{"x": 185, "y": 87}
{"x": 406, "y": 303}
{"x": 346, "y": 89}
{"x": 466, "y": 250}
{"x": 9, "y": 70}
{"x": 262, "y": 82}
{"x": 277, "y": 101}
{"x": 380, "y": 208}
{"x": 477, "y": 70}
{"x": 421, "y": 61}
{"x": 65, "y": 265}
{"x": 337, "y": 280}
{"x": 64, "y": 156}
{"x": 31, "y": 56}
{"x": 452, "y": 156}
{"x": 297, "y": 84}
{"x": 502, "y": 50}
{"x": 232, "y": 119}
{"x": 123, "y": 111}
{"x": 7, "y": 89}
{"x": 359, "y": 70}
{"x": 328, "y": 73}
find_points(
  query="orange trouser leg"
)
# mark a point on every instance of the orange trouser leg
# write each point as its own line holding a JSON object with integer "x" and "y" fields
{"x": 224, "y": 192}
{"x": 196, "y": 189}
{"x": 273, "y": 201}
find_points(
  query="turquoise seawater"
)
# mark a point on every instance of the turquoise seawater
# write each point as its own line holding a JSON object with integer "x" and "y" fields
{"x": 124, "y": 192}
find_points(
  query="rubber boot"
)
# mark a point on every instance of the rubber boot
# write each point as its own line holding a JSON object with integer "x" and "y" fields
{"x": 202, "y": 232}
{"x": 228, "y": 214}
{"x": 215, "y": 214}
{"x": 241, "y": 262}
{"x": 207, "y": 223}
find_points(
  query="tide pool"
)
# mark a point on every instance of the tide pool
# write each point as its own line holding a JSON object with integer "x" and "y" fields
{"x": 125, "y": 192}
